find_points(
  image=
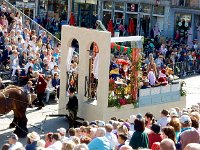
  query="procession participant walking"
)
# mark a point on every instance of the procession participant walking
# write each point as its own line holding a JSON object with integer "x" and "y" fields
{"x": 72, "y": 106}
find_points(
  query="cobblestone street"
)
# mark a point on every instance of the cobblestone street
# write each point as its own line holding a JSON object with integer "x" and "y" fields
{"x": 38, "y": 120}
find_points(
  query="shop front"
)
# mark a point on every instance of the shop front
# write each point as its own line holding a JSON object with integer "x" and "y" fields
{"x": 145, "y": 16}
{"x": 85, "y": 12}
{"x": 28, "y": 7}
{"x": 186, "y": 23}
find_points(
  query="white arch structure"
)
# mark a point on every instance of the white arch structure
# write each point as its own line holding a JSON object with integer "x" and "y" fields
{"x": 85, "y": 38}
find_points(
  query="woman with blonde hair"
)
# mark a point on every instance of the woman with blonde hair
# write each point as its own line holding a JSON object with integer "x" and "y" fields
{"x": 68, "y": 145}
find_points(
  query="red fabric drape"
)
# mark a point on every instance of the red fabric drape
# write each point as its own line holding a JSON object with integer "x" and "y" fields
{"x": 131, "y": 27}
{"x": 72, "y": 20}
{"x": 110, "y": 27}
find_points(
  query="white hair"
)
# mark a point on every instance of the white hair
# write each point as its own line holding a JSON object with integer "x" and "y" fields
{"x": 101, "y": 131}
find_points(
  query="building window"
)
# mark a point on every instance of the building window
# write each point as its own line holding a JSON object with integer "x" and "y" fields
{"x": 182, "y": 25}
{"x": 159, "y": 10}
{"x": 106, "y": 18}
{"x": 107, "y": 5}
{"x": 146, "y": 8}
{"x": 132, "y": 7}
{"x": 119, "y": 6}
{"x": 186, "y": 3}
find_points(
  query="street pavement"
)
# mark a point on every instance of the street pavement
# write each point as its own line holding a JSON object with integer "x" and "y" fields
{"x": 41, "y": 122}
{"x": 38, "y": 120}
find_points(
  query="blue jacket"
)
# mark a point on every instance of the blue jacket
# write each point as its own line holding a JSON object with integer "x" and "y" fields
{"x": 32, "y": 146}
{"x": 55, "y": 82}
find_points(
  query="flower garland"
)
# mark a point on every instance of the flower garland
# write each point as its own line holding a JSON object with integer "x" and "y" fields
{"x": 120, "y": 95}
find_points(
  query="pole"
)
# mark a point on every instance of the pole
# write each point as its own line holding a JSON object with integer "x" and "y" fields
{"x": 69, "y": 10}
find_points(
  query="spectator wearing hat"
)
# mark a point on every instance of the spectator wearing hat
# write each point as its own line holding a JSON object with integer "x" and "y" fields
{"x": 154, "y": 135}
{"x": 188, "y": 134}
{"x": 56, "y": 143}
{"x": 111, "y": 136}
{"x": 165, "y": 119}
{"x": 100, "y": 142}
{"x": 72, "y": 106}
{"x": 14, "y": 143}
{"x": 33, "y": 137}
{"x": 167, "y": 144}
{"x": 62, "y": 132}
{"x": 139, "y": 138}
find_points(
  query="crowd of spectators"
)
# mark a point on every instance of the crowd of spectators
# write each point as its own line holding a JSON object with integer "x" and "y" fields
{"x": 163, "y": 61}
{"x": 24, "y": 51}
{"x": 175, "y": 129}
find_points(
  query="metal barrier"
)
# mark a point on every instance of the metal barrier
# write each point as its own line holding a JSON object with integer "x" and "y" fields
{"x": 33, "y": 25}
{"x": 186, "y": 68}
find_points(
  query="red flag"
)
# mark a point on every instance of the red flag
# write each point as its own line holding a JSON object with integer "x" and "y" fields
{"x": 72, "y": 20}
{"x": 131, "y": 27}
{"x": 110, "y": 27}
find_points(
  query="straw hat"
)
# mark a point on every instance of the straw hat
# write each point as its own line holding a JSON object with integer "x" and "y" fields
{"x": 33, "y": 136}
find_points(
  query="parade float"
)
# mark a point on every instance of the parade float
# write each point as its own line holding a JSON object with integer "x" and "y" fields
{"x": 112, "y": 95}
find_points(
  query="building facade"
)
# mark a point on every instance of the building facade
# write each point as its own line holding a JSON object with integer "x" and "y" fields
{"x": 170, "y": 17}
{"x": 147, "y": 15}
{"x": 185, "y": 19}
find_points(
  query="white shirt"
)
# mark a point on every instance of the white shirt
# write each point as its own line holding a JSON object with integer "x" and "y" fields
{"x": 27, "y": 66}
{"x": 112, "y": 138}
{"x": 15, "y": 146}
{"x": 55, "y": 146}
{"x": 50, "y": 86}
{"x": 163, "y": 121}
{"x": 51, "y": 65}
